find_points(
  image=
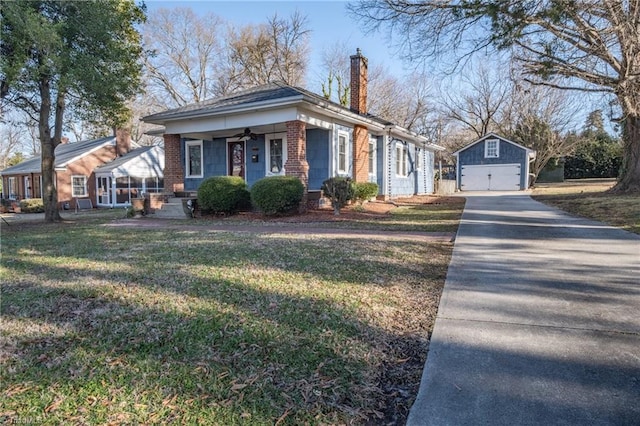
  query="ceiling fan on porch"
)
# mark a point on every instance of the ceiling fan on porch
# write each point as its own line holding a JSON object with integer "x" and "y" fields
{"x": 246, "y": 135}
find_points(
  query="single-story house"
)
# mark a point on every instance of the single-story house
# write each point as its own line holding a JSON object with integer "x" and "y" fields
{"x": 493, "y": 163}
{"x": 278, "y": 129}
{"x": 75, "y": 166}
{"x": 130, "y": 176}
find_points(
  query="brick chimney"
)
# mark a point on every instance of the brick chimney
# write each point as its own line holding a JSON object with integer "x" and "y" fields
{"x": 359, "y": 77}
{"x": 123, "y": 141}
{"x": 359, "y": 105}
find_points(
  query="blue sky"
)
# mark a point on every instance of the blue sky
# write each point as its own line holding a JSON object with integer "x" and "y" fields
{"x": 328, "y": 21}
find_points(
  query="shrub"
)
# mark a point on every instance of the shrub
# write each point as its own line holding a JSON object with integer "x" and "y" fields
{"x": 277, "y": 194}
{"x": 364, "y": 191}
{"x": 223, "y": 194}
{"x": 339, "y": 190}
{"x": 32, "y": 205}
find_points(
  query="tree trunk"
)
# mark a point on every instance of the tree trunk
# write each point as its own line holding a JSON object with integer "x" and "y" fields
{"x": 630, "y": 177}
{"x": 47, "y": 147}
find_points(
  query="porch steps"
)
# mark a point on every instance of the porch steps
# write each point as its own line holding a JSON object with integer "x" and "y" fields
{"x": 172, "y": 209}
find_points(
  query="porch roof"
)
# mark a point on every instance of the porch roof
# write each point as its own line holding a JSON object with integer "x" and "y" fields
{"x": 272, "y": 97}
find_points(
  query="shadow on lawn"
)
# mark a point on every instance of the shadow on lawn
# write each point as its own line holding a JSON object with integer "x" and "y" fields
{"x": 138, "y": 347}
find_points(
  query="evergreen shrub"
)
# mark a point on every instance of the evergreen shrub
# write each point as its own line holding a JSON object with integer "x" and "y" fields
{"x": 223, "y": 194}
{"x": 275, "y": 195}
{"x": 32, "y": 205}
{"x": 364, "y": 191}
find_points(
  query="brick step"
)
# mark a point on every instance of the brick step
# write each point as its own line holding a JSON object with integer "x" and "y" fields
{"x": 172, "y": 210}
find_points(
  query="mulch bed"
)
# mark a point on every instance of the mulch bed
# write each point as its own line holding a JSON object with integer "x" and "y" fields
{"x": 370, "y": 211}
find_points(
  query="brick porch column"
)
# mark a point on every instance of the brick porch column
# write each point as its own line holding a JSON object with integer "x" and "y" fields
{"x": 296, "y": 164}
{"x": 173, "y": 169}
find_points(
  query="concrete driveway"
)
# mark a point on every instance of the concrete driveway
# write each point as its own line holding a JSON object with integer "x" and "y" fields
{"x": 539, "y": 321}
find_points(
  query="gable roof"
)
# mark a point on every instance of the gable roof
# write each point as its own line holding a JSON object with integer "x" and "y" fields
{"x": 146, "y": 161}
{"x": 65, "y": 154}
{"x": 275, "y": 95}
{"x": 530, "y": 152}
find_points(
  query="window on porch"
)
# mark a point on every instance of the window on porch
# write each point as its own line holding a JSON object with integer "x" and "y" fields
{"x": 276, "y": 153}
{"x": 193, "y": 159}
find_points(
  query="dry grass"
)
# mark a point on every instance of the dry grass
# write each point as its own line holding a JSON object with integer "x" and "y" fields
{"x": 589, "y": 198}
{"x": 105, "y": 325}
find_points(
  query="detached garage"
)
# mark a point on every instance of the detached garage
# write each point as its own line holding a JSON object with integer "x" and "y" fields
{"x": 493, "y": 163}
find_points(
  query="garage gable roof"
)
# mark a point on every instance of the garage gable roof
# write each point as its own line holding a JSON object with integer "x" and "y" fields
{"x": 530, "y": 152}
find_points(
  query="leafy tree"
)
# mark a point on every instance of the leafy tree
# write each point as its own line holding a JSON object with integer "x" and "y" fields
{"x": 68, "y": 57}
{"x": 598, "y": 154}
{"x": 586, "y": 45}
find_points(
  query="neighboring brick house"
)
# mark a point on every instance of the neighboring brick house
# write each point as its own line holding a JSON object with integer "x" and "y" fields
{"x": 277, "y": 129}
{"x": 75, "y": 164}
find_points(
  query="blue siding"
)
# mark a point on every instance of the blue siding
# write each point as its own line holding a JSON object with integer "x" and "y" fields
{"x": 508, "y": 154}
{"x": 318, "y": 157}
{"x": 417, "y": 181}
{"x": 255, "y": 171}
{"x": 214, "y": 161}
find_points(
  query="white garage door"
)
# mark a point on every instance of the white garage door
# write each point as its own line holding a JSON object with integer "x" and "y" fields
{"x": 499, "y": 177}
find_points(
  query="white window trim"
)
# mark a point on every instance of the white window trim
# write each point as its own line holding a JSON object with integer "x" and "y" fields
{"x": 373, "y": 152}
{"x": 347, "y": 157}
{"x": 402, "y": 158}
{"x": 486, "y": 148}
{"x": 419, "y": 160}
{"x": 267, "y": 159}
{"x": 73, "y": 187}
{"x": 186, "y": 159}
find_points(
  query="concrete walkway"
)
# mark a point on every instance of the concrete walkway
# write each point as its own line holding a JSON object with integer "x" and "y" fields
{"x": 539, "y": 321}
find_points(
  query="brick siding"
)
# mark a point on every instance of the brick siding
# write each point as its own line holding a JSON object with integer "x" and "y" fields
{"x": 173, "y": 169}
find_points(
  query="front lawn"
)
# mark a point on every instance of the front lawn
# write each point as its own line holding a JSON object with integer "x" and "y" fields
{"x": 588, "y": 198}
{"x": 109, "y": 325}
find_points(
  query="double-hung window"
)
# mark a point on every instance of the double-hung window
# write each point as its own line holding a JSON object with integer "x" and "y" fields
{"x": 402, "y": 160}
{"x": 491, "y": 148}
{"x": 276, "y": 153}
{"x": 79, "y": 186}
{"x": 193, "y": 159}
{"x": 343, "y": 156}
{"x": 372, "y": 158}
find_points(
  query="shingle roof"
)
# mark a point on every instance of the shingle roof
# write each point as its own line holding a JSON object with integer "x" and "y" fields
{"x": 65, "y": 153}
{"x": 130, "y": 156}
{"x": 260, "y": 94}
{"x": 265, "y": 93}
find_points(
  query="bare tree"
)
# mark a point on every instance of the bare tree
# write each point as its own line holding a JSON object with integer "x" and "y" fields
{"x": 260, "y": 54}
{"x": 541, "y": 118}
{"x": 183, "y": 56}
{"x": 590, "y": 45}
{"x": 479, "y": 100}
{"x": 403, "y": 101}
{"x": 11, "y": 143}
